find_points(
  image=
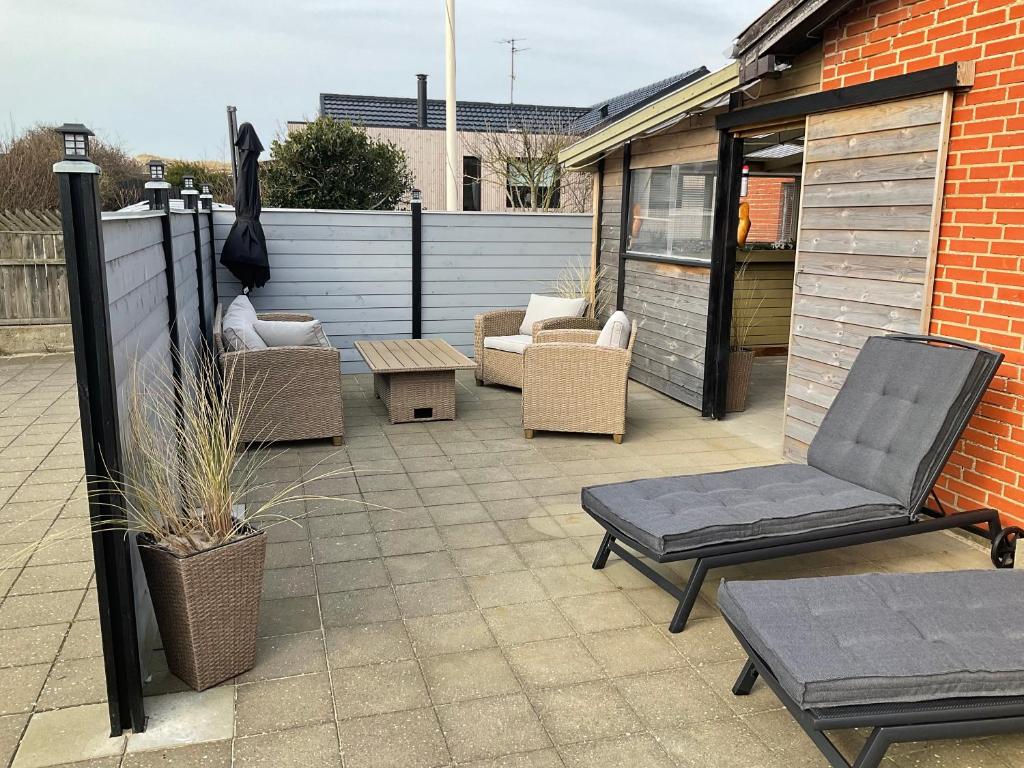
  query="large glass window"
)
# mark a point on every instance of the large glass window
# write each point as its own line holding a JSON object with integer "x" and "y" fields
{"x": 671, "y": 211}
{"x": 470, "y": 183}
{"x": 520, "y": 191}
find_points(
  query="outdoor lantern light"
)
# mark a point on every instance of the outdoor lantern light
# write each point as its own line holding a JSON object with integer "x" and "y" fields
{"x": 76, "y": 141}
{"x": 188, "y": 182}
{"x": 416, "y": 196}
{"x": 156, "y": 170}
{"x": 205, "y": 188}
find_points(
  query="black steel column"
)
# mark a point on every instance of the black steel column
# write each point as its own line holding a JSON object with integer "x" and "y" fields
{"x": 163, "y": 201}
{"x": 213, "y": 258}
{"x": 723, "y": 270}
{"x": 417, "y": 264}
{"x": 94, "y": 364}
{"x": 204, "y": 321}
{"x": 620, "y": 283}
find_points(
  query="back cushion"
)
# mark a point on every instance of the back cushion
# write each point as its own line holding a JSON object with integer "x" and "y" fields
{"x": 547, "y": 307}
{"x": 237, "y": 326}
{"x": 615, "y": 332}
{"x": 291, "y": 333}
{"x": 897, "y": 416}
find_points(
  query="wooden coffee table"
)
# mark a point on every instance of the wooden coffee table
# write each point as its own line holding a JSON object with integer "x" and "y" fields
{"x": 415, "y": 377}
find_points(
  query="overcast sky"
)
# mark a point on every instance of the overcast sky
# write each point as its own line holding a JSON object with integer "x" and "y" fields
{"x": 156, "y": 76}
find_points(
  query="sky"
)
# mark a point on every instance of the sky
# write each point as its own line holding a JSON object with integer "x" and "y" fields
{"x": 156, "y": 77}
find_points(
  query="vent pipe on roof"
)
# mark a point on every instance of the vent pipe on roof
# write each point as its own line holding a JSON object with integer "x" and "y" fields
{"x": 421, "y": 101}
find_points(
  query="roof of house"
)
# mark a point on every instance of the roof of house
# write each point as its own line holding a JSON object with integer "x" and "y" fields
{"x": 610, "y": 110}
{"x": 394, "y": 112}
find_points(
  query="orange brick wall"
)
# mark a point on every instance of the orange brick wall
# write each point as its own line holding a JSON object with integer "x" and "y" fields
{"x": 979, "y": 282}
{"x": 764, "y": 193}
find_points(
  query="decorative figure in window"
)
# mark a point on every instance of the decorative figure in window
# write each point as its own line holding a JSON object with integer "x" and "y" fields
{"x": 744, "y": 227}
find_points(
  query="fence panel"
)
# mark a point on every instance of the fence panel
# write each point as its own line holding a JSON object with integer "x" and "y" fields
{"x": 475, "y": 262}
{"x": 186, "y": 283}
{"x": 350, "y": 269}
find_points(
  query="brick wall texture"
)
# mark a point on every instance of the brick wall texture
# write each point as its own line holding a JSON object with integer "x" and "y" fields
{"x": 764, "y": 193}
{"x": 979, "y": 281}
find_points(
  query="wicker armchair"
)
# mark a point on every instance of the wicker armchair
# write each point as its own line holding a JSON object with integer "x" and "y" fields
{"x": 572, "y": 385}
{"x": 495, "y": 366}
{"x": 298, "y": 389}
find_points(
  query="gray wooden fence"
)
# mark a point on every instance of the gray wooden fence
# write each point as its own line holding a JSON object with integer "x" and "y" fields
{"x": 353, "y": 269}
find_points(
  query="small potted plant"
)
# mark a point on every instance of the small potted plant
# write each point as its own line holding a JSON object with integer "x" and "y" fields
{"x": 741, "y": 356}
{"x": 186, "y": 483}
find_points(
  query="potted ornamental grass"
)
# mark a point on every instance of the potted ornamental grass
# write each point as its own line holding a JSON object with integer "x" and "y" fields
{"x": 741, "y": 356}
{"x": 189, "y": 485}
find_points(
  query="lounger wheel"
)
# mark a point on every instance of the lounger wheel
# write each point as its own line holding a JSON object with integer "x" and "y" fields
{"x": 1004, "y": 546}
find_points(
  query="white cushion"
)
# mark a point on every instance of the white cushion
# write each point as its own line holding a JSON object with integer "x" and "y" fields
{"x": 547, "y": 307}
{"x": 292, "y": 333}
{"x": 516, "y": 344}
{"x": 237, "y": 326}
{"x": 615, "y": 332}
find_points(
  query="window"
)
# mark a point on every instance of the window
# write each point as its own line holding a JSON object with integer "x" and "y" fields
{"x": 671, "y": 211}
{"x": 519, "y": 195}
{"x": 470, "y": 183}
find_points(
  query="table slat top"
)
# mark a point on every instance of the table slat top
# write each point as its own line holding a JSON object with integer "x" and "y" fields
{"x": 407, "y": 355}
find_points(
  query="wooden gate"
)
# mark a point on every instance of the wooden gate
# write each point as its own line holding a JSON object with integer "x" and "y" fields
{"x": 33, "y": 282}
{"x": 872, "y": 199}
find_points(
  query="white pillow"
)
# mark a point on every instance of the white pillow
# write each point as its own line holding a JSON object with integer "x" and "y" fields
{"x": 547, "y": 307}
{"x": 615, "y": 332}
{"x": 236, "y": 326}
{"x": 291, "y": 333}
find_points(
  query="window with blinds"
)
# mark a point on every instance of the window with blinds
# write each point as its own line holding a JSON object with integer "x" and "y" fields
{"x": 671, "y": 211}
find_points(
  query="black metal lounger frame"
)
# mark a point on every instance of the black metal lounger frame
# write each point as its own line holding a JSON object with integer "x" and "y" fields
{"x": 889, "y": 723}
{"x": 920, "y": 520}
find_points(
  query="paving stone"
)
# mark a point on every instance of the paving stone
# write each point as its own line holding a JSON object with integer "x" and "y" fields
{"x": 288, "y": 616}
{"x": 409, "y": 739}
{"x": 542, "y": 758}
{"x": 362, "y": 606}
{"x": 333, "y": 526}
{"x": 449, "y": 633}
{"x": 632, "y": 651}
{"x": 557, "y": 662}
{"x": 526, "y": 529}
{"x": 11, "y": 728}
{"x": 668, "y": 699}
{"x": 31, "y": 645}
{"x": 484, "y": 560}
{"x": 74, "y": 682}
{"x": 216, "y": 754}
{"x": 361, "y": 546}
{"x": 429, "y": 598}
{"x": 349, "y": 575}
{"x": 275, "y": 705}
{"x": 36, "y": 610}
{"x": 186, "y": 718}
{"x": 469, "y": 675}
{"x": 557, "y": 552}
{"x": 471, "y": 535}
{"x": 584, "y": 712}
{"x": 379, "y": 688}
{"x": 399, "y": 519}
{"x": 572, "y": 580}
{"x": 426, "y": 566}
{"x": 638, "y": 750}
{"x": 410, "y": 542}
{"x": 505, "y": 588}
{"x": 729, "y": 744}
{"x": 298, "y": 748}
{"x": 287, "y": 655}
{"x": 364, "y": 644}
{"x": 598, "y": 612}
{"x": 288, "y": 582}
{"x": 20, "y": 686}
{"x": 526, "y": 622}
{"x": 485, "y": 728}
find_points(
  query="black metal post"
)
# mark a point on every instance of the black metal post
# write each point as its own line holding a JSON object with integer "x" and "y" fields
{"x": 204, "y": 319}
{"x": 417, "y": 264}
{"x": 723, "y": 271}
{"x": 213, "y": 258}
{"x": 78, "y": 187}
{"x": 620, "y": 282}
{"x": 164, "y": 201}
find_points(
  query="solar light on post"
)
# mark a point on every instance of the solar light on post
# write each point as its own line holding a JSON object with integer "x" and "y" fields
{"x": 205, "y": 197}
{"x": 158, "y": 190}
{"x": 189, "y": 193}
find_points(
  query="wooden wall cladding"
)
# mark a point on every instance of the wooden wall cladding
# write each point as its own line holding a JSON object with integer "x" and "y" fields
{"x": 872, "y": 199}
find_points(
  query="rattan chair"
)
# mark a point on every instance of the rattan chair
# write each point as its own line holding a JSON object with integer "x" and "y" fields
{"x": 570, "y": 384}
{"x": 495, "y": 366}
{"x": 298, "y": 389}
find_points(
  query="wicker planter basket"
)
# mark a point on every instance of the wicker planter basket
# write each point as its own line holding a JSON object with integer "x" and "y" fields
{"x": 741, "y": 361}
{"x": 207, "y": 607}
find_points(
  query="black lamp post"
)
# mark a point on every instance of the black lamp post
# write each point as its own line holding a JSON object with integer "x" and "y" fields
{"x": 416, "y": 209}
{"x": 158, "y": 190}
{"x": 78, "y": 186}
{"x": 189, "y": 193}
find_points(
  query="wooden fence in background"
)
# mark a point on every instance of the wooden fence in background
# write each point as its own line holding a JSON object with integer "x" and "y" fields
{"x": 33, "y": 280}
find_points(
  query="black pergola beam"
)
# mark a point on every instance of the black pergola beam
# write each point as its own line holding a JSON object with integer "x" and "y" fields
{"x": 945, "y": 78}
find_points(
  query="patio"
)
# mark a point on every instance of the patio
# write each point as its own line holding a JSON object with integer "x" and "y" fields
{"x": 445, "y": 613}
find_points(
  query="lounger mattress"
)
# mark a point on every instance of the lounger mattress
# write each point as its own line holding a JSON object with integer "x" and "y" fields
{"x": 885, "y": 638}
{"x": 670, "y": 515}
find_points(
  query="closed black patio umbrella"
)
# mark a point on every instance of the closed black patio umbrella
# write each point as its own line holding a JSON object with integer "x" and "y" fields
{"x": 245, "y": 249}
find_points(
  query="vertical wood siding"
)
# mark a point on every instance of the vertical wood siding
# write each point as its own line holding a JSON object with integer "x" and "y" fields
{"x": 353, "y": 269}
{"x": 33, "y": 279}
{"x": 867, "y": 242}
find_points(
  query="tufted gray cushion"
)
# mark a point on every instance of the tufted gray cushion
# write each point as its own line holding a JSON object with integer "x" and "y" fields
{"x": 674, "y": 514}
{"x": 895, "y": 418}
{"x": 882, "y": 638}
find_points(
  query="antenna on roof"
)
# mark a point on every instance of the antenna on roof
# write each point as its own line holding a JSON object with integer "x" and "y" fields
{"x": 511, "y": 43}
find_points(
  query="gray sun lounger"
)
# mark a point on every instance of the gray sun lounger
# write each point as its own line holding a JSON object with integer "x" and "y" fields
{"x": 911, "y": 657}
{"x": 877, "y": 454}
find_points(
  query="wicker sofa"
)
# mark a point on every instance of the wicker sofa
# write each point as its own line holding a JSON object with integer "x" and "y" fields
{"x": 570, "y": 384}
{"x": 496, "y": 366}
{"x": 298, "y": 389}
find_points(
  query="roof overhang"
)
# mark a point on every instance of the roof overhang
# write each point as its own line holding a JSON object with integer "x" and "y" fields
{"x": 785, "y": 30}
{"x": 671, "y": 107}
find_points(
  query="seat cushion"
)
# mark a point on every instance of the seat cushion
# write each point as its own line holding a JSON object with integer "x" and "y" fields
{"x": 898, "y": 414}
{"x": 516, "y": 344}
{"x": 670, "y": 515}
{"x": 547, "y": 307}
{"x": 885, "y": 638}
